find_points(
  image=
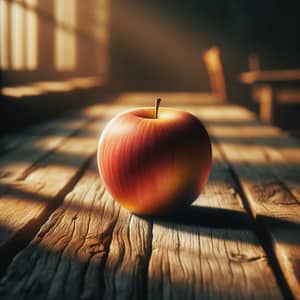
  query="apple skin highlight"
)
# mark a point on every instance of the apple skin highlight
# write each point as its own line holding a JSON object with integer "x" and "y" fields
{"x": 154, "y": 166}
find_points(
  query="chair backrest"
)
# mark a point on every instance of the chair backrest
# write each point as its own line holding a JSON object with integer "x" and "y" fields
{"x": 214, "y": 66}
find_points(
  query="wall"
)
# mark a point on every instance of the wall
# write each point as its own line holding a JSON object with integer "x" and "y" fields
{"x": 157, "y": 45}
{"x": 53, "y": 39}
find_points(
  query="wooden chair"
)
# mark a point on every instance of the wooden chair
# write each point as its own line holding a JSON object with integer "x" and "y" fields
{"x": 271, "y": 88}
{"x": 214, "y": 66}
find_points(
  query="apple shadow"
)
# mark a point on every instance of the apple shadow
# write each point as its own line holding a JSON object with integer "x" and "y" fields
{"x": 206, "y": 217}
{"x": 219, "y": 218}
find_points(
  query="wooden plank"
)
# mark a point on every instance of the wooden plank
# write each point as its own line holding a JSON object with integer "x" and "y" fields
{"x": 26, "y": 204}
{"x": 218, "y": 258}
{"x": 67, "y": 257}
{"x": 10, "y": 142}
{"x": 24, "y": 148}
{"x": 25, "y": 152}
{"x": 28, "y": 197}
{"x": 68, "y": 250}
{"x": 281, "y": 151}
{"x": 35, "y": 147}
{"x": 284, "y": 157}
{"x": 125, "y": 274}
{"x": 222, "y": 114}
{"x": 63, "y": 125}
{"x": 268, "y": 170}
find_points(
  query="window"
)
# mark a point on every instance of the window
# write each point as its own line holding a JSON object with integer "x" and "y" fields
{"x": 18, "y": 35}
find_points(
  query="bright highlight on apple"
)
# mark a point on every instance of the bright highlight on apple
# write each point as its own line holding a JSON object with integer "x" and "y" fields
{"x": 154, "y": 160}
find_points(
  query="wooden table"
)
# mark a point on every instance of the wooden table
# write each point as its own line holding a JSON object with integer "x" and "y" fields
{"x": 62, "y": 236}
{"x": 273, "y": 87}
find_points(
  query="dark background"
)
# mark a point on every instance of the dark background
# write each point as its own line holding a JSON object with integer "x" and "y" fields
{"x": 267, "y": 28}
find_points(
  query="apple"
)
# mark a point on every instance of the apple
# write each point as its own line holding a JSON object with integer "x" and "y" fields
{"x": 154, "y": 161}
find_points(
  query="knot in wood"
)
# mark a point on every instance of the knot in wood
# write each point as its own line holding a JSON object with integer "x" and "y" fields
{"x": 242, "y": 258}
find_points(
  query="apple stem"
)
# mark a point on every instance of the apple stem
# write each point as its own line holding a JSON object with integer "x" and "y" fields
{"x": 157, "y": 103}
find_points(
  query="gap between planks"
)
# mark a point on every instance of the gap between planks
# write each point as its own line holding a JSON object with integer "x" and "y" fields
{"x": 91, "y": 247}
{"x": 86, "y": 235}
{"x": 220, "y": 260}
{"x": 113, "y": 258}
{"x": 266, "y": 165}
{"x": 264, "y": 239}
{"x": 26, "y": 205}
{"x": 29, "y": 193}
{"x": 130, "y": 242}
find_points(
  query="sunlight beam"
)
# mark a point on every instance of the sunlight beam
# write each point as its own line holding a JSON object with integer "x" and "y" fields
{"x": 65, "y": 41}
{"x": 31, "y": 36}
{"x": 17, "y": 36}
{"x": 4, "y": 34}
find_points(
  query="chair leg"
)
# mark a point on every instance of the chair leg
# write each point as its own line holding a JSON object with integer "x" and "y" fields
{"x": 267, "y": 103}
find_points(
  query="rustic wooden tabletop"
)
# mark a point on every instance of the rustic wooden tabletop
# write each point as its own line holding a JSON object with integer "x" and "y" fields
{"x": 62, "y": 236}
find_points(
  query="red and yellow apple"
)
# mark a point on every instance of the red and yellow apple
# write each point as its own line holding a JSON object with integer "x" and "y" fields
{"x": 154, "y": 164}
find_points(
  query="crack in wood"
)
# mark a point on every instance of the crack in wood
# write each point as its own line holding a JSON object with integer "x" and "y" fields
{"x": 23, "y": 237}
{"x": 244, "y": 258}
{"x": 262, "y": 235}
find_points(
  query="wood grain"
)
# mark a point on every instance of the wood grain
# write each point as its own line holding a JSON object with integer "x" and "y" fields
{"x": 10, "y": 142}
{"x": 26, "y": 203}
{"x": 66, "y": 254}
{"x": 90, "y": 248}
{"x": 69, "y": 253}
{"x": 204, "y": 262}
{"x": 37, "y": 173}
{"x": 125, "y": 274}
{"x": 284, "y": 159}
{"x": 268, "y": 172}
{"x": 33, "y": 145}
